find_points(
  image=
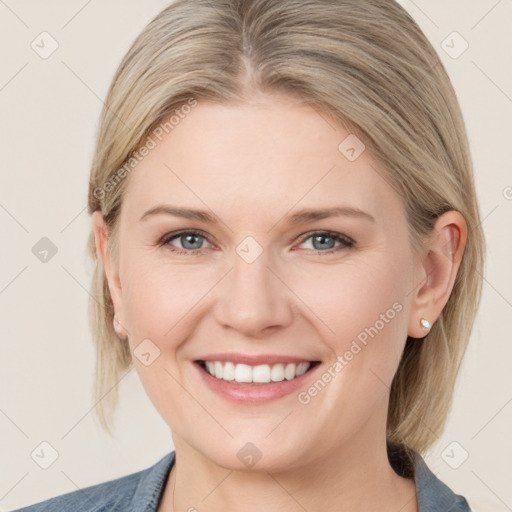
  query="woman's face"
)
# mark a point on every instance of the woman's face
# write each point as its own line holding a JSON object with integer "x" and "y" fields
{"x": 265, "y": 281}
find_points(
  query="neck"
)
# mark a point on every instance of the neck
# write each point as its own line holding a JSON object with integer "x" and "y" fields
{"x": 355, "y": 477}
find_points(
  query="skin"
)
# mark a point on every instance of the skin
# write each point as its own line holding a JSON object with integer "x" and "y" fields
{"x": 252, "y": 166}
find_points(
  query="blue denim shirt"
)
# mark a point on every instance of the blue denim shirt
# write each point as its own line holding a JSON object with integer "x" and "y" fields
{"x": 141, "y": 492}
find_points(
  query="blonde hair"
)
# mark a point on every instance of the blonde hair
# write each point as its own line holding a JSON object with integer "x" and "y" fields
{"x": 364, "y": 64}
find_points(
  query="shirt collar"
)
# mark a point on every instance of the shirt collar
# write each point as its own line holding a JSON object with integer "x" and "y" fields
{"x": 434, "y": 495}
{"x": 151, "y": 485}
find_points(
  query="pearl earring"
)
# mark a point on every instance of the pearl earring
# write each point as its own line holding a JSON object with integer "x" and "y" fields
{"x": 116, "y": 325}
{"x": 425, "y": 323}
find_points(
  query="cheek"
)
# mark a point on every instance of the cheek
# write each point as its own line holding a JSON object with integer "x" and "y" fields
{"x": 362, "y": 315}
{"x": 164, "y": 303}
{"x": 360, "y": 311}
{"x": 159, "y": 301}
{"x": 160, "y": 294}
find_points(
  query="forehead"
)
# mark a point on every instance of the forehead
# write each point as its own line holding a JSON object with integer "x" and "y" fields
{"x": 257, "y": 159}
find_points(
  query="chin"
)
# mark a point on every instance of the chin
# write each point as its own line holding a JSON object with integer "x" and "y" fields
{"x": 242, "y": 454}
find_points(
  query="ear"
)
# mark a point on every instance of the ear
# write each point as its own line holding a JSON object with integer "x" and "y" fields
{"x": 437, "y": 271}
{"x": 110, "y": 267}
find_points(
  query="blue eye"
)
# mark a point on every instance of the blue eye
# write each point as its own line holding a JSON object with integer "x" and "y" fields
{"x": 322, "y": 240}
{"x": 192, "y": 242}
{"x": 189, "y": 240}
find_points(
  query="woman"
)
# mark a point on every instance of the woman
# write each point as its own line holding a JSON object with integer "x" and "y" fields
{"x": 288, "y": 250}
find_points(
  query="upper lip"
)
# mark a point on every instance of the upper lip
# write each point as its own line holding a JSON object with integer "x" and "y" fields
{"x": 255, "y": 359}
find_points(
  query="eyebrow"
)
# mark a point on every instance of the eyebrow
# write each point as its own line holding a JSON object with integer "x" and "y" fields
{"x": 299, "y": 217}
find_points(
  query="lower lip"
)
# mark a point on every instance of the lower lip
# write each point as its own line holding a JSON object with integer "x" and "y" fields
{"x": 254, "y": 393}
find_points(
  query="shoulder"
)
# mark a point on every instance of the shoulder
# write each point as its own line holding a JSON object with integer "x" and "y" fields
{"x": 138, "y": 491}
{"x": 434, "y": 494}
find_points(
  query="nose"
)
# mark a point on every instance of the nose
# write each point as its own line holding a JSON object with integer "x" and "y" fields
{"x": 254, "y": 299}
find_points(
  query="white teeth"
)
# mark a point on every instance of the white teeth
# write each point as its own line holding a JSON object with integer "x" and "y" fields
{"x": 261, "y": 373}
{"x": 289, "y": 371}
{"x": 277, "y": 372}
{"x": 218, "y": 370}
{"x": 243, "y": 373}
{"x": 302, "y": 368}
{"x": 229, "y": 371}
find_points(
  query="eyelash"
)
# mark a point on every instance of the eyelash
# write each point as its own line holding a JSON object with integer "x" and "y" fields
{"x": 338, "y": 237}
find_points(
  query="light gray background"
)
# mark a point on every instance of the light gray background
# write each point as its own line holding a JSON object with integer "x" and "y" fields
{"x": 49, "y": 114}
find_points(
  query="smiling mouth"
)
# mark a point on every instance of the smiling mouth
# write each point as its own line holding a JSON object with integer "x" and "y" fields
{"x": 239, "y": 373}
